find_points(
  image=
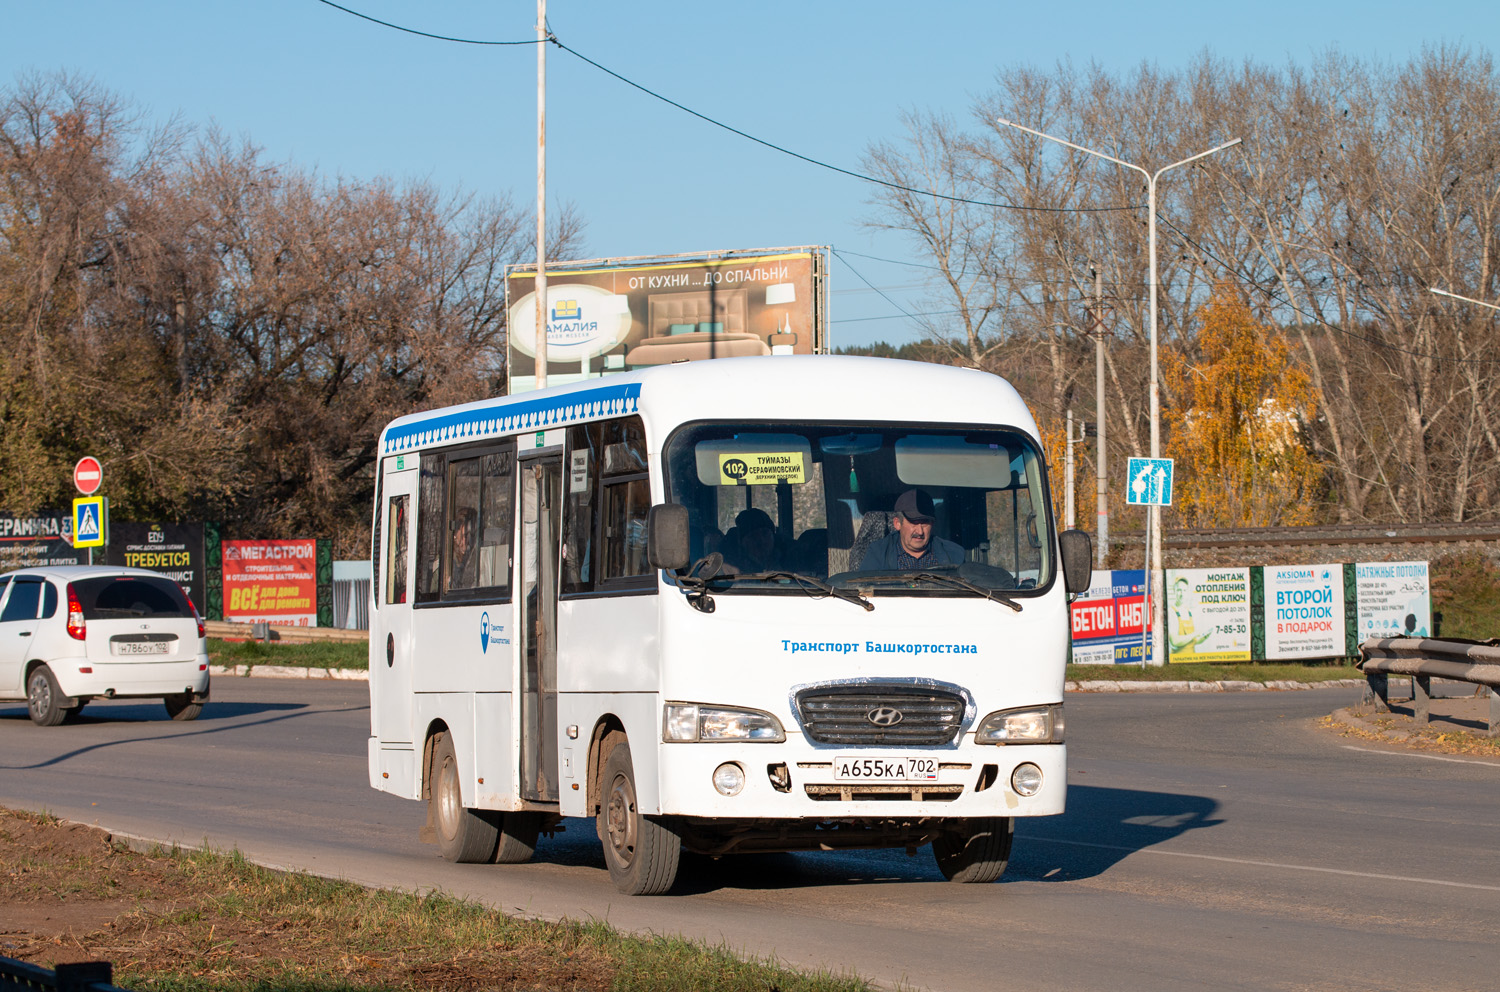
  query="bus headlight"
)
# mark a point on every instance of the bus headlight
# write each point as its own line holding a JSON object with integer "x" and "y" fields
{"x": 696, "y": 722}
{"x": 1027, "y": 725}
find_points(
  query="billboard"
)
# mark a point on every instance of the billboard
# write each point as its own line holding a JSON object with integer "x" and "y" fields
{"x": 44, "y": 539}
{"x": 1304, "y": 611}
{"x": 1208, "y": 615}
{"x": 175, "y": 550}
{"x": 1107, "y": 619}
{"x": 611, "y": 315}
{"x": 271, "y": 581}
{"x": 1395, "y": 599}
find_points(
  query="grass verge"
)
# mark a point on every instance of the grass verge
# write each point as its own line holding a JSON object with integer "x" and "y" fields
{"x": 316, "y": 654}
{"x": 175, "y": 921}
{"x": 1200, "y": 672}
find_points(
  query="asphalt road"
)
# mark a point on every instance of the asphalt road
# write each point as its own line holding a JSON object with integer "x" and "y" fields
{"x": 1211, "y": 841}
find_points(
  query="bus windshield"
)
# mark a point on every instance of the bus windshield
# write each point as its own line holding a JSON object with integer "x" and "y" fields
{"x": 895, "y": 509}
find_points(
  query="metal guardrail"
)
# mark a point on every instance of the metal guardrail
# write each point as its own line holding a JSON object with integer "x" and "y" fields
{"x": 1440, "y": 532}
{"x": 1424, "y": 659}
{"x": 84, "y": 976}
{"x": 274, "y": 632}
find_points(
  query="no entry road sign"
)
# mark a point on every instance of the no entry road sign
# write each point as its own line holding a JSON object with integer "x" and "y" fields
{"x": 88, "y": 475}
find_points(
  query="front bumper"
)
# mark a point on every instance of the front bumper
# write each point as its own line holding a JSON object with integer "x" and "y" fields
{"x": 973, "y": 780}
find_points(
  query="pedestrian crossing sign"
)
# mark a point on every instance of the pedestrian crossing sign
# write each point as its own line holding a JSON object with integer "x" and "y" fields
{"x": 90, "y": 522}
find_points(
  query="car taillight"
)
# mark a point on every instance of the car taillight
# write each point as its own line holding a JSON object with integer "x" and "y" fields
{"x": 201, "y": 630}
{"x": 75, "y": 615}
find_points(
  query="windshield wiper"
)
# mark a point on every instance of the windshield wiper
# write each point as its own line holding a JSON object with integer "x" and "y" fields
{"x": 958, "y": 583}
{"x": 808, "y": 583}
{"x": 952, "y": 581}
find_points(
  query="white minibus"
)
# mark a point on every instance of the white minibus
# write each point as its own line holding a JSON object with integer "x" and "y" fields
{"x": 739, "y": 605}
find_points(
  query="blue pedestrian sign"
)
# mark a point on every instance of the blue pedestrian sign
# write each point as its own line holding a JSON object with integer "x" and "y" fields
{"x": 90, "y": 522}
{"x": 1149, "y": 482}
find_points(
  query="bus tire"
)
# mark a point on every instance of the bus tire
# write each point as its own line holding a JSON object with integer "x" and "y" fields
{"x": 642, "y": 853}
{"x": 518, "y": 833}
{"x": 976, "y": 850}
{"x": 464, "y": 836}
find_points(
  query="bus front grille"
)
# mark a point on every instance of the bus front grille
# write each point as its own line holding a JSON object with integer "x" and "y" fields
{"x": 880, "y": 715}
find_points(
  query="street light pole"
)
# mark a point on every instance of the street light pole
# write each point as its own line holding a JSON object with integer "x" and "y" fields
{"x": 1153, "y": 514}
{"x": 1466, "y": 299}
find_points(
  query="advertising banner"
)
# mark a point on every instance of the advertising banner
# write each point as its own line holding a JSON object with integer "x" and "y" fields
{"x": 1395, "y": 599}
{"x": 1208, "y": 614}
{"x": 45, "y": 539}
{"x": 271, "y": 581}
{"x": 174, "y": 550}
{"x": 611, "y": 315}
{"x": 1304, "y": 611}
{"x": 1107, "y": 619}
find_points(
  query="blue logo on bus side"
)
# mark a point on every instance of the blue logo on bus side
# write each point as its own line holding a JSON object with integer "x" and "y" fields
{"x": 484, "y": 632}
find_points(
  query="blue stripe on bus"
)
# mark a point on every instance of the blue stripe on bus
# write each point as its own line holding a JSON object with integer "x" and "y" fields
{"x": 516, "y": 415}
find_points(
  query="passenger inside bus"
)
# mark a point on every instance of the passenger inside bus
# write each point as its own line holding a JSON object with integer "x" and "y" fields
{"x": 751, "y": 544}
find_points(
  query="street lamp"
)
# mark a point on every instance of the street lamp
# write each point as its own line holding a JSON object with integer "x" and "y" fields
{"x": 1466, "y": 299}
{"x": 1153, "y": 519}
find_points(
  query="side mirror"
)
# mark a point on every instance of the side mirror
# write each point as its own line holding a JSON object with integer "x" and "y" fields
{"x": 667, "y": 536}
{"x": 1077, "y": 560}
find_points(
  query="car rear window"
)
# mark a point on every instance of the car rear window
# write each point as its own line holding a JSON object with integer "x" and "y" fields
{"x": 129, "y": 596}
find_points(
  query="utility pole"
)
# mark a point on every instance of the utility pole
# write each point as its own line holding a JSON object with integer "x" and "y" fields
{"x": 1068, "y": 515}
{"x": 541, "y": 194}
{"x": 1101, "y": 459}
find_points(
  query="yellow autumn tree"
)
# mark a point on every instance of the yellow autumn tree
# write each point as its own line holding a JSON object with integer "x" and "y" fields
{"x": 1237, "y": 434}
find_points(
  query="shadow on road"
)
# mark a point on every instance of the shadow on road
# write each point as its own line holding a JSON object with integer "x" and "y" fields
{"x": 1101, "y": 828}
{"x": 217, "y": 718}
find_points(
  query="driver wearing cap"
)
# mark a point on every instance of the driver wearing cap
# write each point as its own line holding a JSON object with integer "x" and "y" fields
{"x": 913, "y": 545}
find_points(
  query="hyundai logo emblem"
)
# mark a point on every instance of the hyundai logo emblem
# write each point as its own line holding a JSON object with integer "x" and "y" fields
{"x": 884, "y": 716}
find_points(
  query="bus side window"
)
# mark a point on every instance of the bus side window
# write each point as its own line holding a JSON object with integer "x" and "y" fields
{"x": 396, "y": 538}
{"x": 580, "y": 510}
{"x": 430, "y": 508}
{"x": 496, "y": 521}
{"x": 625, "y": 501}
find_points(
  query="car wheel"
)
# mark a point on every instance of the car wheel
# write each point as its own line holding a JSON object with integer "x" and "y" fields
{"x": 72, "y": 715}
{"x": 44, "y": 700}
{"x": 182, "y": 707}
{"x": 976, "y": 850}
{"x": 465, "y": 836}
{"x": 642, "y": 853}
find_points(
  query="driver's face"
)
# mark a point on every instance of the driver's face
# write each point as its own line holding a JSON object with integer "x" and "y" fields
{"x": 914, "y": 536}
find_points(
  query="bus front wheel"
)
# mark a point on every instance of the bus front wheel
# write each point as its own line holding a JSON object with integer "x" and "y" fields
{"x": 642, "y": 853}
{"x": 975, "y": 850}
{"x": 464, "y": 836}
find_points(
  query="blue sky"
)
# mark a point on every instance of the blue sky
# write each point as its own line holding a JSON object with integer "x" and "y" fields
{"x": 325, "y": 90}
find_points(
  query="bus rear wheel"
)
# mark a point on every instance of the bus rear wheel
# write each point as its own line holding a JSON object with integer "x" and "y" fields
{"x": 464, "y": 836}
{"x": 518, "y": 833}
{"x": 642, "y": 853}
{"x": 975, "y": 850}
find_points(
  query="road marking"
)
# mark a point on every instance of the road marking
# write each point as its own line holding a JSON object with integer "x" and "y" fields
{"x": 1265, "y": 864}
{"x": 1418, "y": 754}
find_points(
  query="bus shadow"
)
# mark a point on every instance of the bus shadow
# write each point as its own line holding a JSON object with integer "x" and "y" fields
{"x": 151, "y": 711}
{"x": 1101, "y": 828}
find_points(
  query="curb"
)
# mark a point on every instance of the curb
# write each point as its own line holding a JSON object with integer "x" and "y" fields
{"x": 289, "y": 672}
{"x": 1112, "y": 685}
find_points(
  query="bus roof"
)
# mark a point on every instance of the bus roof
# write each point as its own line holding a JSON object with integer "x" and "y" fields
{"x": 829, "y": 388}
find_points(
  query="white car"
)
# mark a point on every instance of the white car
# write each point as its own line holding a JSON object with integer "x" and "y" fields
{"x": 79, "y": 632}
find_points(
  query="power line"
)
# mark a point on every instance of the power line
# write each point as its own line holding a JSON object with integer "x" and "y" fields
{"x": 425, "y": 34}
{"x": 837, "y": 254}
{"x": 862, "y": 177}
